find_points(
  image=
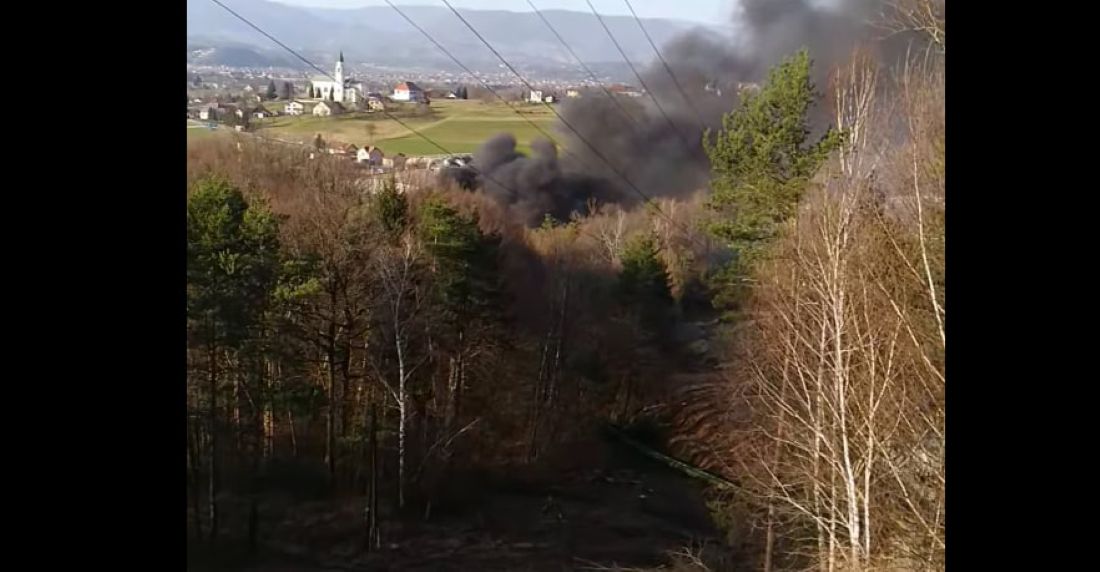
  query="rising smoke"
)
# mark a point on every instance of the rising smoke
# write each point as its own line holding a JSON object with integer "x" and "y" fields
{"x": 664, "y": 157}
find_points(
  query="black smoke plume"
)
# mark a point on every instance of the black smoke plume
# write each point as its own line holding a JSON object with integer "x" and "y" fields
{"x": 536, "y": 186}
{"x": 663, "y": 156}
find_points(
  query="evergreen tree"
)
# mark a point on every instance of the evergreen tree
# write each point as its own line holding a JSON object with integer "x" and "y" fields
{"x": 392, "y": 208}
{"x": 288, "y": 90}
{"x": 310, "y": 91}
{"x": 644, "y": 283}
{"x": 762, "y": 161}
{"x": 271, "y": 92}
{"x": 232, "y": 271}
{"x": 464, "y": 292}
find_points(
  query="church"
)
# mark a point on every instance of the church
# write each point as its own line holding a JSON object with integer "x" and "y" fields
{"x": 343, "y": 90}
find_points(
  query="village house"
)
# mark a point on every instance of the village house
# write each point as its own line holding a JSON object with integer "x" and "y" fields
{"x": 351, "y": 149}
{"x": 535, "y": 97}
{"x": 369, "y": 155}
{"x": 294, "y": 108}
{"x": 327, "y": 108}
{"x": 375, "y": 102}
{"x": 409, "y": 91}
{"x": 211, "y": 112}
{"x": 572, "y": 93}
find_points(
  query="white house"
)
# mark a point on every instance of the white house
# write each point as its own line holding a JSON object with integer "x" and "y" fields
{"x": 342, "y": 90}
{"x": 375, "y": 103}
{"x": 327, "y": 108}
{"x": 408, "y": 91}
{"x": 369, "y": 155}
{"x": 572, "y": 93}
{"x": 536, "y": 96}
{"x": 294, "y": 108}
{"x": 211, "y": 112}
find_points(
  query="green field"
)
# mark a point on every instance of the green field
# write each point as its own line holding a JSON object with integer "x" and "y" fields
{"x": 459, "y": 126}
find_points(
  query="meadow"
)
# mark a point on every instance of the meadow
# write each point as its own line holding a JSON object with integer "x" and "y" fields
{"x": 460, "y": 126}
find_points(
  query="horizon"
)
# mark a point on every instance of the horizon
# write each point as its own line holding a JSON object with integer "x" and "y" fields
{"x": 712, "y": 12}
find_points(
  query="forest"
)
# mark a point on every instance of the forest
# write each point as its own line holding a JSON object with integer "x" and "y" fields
{"x": 369, "y": 363}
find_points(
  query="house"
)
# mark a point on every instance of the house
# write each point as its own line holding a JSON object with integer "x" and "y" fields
{"x": 572, "y": 93}
{"x": 408, "y": 91}
{"x": 536, "y": 96}
{"x": 369, "y": 155}
{"x": 211, "y": 112}
{"x": 327, "y": 108}
{"x": 351, "y": 149}
{"x": 294, "y": 108}
{"x": 375, "y": 103}
{"x": 549, "y": 99}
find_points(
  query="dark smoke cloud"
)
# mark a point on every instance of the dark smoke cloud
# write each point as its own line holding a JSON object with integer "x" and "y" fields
{"x": 532, "y": 187}
{"x": 664, "y": 157}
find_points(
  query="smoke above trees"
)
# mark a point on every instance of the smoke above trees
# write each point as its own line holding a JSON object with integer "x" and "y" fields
{"x": 622, "y": 149}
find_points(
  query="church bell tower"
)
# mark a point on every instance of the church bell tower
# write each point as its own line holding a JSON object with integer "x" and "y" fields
{"x": 338, "y": 89}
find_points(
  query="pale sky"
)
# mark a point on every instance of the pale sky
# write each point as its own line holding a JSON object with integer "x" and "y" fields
{"x": 704, "y": 11}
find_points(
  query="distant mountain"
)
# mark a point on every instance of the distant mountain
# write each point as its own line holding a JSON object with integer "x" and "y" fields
{"x": 215, "y": 52}
{"x": 378, "y": 34}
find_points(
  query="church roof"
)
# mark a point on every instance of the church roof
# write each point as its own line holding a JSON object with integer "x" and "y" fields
{"x": 341, "y": 55}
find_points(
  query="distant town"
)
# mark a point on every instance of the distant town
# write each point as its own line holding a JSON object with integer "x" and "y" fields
{"x": 322, "y": 111}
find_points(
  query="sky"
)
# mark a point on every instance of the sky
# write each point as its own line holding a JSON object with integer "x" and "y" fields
{"x": 703, "y": 11}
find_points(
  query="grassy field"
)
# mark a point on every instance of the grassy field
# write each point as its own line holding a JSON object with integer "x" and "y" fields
{"x": 194, "y": 134}
{"x": 458, "y": 125}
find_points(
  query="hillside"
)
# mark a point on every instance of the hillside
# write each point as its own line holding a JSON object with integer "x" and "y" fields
{"x": 378, "y": 35}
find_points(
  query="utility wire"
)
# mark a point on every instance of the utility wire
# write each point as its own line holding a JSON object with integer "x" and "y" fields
{"x": 562, "y": 119}
{"x": 648, "y": 91}
{"x": 386, "y": 113}
{"x": 591, "y": 74}
{"x": 480, "y": 80}
{"x": 649, "y": 202}
{"x": 699, "y": 116}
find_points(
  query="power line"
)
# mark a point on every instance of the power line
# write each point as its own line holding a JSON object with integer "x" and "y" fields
{"x": 591, "y": 74}
{"x": 479, "y": 79}
{"x": 386, "y": 113}
{"x": 675, "y": 81}
{"x": 560, "y": 118}
{"x": 649, "y": 202}
{"x": 648, "y": 91}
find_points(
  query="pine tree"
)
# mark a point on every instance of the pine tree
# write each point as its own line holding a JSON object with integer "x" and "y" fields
{"x": 288, "y": 90}
{"x": 232, "y": 271}
{"x": 271, "y": 92}
{"x": 762, "y": 161}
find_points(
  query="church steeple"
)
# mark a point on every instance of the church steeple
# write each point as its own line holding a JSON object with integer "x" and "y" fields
{"x": 341, "y": 55}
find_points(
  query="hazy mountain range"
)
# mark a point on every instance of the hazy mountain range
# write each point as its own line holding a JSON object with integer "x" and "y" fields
{"x": 379, "y": 35}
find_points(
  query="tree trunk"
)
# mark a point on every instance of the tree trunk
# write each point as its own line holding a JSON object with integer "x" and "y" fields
{"x": 402, "y": 420}
{"x": 330, "y": 418}
{"x": 293, "y": 435}
{"x": 269, "y": 413}
{"x": 373, "y": 538}
{"x": 194, "y": 456}
{"x": 212, "y": 491}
